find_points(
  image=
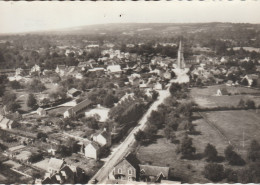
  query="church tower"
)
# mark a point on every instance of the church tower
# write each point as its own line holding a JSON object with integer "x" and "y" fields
{"x": 180, "y": 63}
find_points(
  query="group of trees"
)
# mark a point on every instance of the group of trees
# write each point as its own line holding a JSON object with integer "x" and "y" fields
{"x": 9, "y": 100}
{"x": 248, "y": 174}
{"x": 249, "y": 104}
{"x": 36, "y": 86}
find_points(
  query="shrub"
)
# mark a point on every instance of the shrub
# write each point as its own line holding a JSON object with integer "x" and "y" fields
{"x": 214, "y": 172}
{"x": 231, "y": 175}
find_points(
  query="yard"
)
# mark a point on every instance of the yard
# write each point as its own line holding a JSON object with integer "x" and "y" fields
{"x": 206, "y": 97}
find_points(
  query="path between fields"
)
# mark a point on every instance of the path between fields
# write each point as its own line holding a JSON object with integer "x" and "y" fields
{"x": 119, "y": 152}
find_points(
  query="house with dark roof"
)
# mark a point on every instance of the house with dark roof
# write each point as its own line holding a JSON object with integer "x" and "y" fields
{"x": 130, "y": 169}
{"x": 73, "y": 111}
{"x": 68, "y": 174}
{"x": 73, "y": 92}
{"x": 127, "y": 169}
{"x": 154, "y": 174}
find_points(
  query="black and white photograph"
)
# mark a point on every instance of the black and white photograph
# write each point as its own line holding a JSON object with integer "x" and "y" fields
{"x": 130, "y": 92}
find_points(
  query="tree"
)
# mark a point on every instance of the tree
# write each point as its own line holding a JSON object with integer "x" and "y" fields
{"x": 36, "y": 86}
{"x": 35, "y": 157}
{"x": 156, "y": 118}
{"x": 15, "y": 84}
{"x": 250, "y": 174}
{"x": 231, "y": 175}
{"x": 250, "y": 104}
{"x": 186, "y": 149}
{"x": 31, "y": 101}
{"x": 241, "y": 103}
{"x": 13, "y": 106}
{"x": 8, "y": 97}
{"x": 169, "y": 133}
{"x": 64, "y": 151}
{"x": 109, "y": 100}
{"x": 175, "y": 87}
{"x": 42, "y": 136}
{"x": 210, "y": 153}
{"x": 214, "y": 172}
{"x": 232, "y": 157}
{"x": 254, "y": 151}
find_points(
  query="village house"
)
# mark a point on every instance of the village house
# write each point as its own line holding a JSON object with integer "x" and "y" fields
{"x": 153, "y": 174}
{"x": 68, "y": 174}
{"x": 126, "y": 169}
{"x": 34, "y": 69}
{"x": 6, "y": 123}
{"x": 103, "y": 138}
{"x": 60, "y": 69}
{"x": 114, "y": 69}
{"x": 54, "y": 166}
{"x": 252, "y": 79}
{"x": 129, "y": 169}
{"x": 41, "y": 112}
{"x": 92, "y": 150}
{"x": 73, "y": 92}
{"x": 73, "y": 111}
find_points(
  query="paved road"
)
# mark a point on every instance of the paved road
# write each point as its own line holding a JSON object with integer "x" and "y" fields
{"x": 102, "y": 175}
{"x": 121, "y": 150}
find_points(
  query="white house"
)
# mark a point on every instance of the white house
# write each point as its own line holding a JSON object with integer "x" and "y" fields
{"x": 6, "y": 123}
{"x": 103, "y": 138}
{"x": 41, "y": 112}
{"x": 92, "y": 150}
{"x": 35, "y": 68}
{"x": 114, "y": 69}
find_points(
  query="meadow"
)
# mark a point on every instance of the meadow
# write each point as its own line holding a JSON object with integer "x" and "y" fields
{"x": 206, "y": 97}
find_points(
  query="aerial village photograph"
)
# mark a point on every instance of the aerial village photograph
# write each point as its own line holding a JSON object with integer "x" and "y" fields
{"x": 164, "y": 92}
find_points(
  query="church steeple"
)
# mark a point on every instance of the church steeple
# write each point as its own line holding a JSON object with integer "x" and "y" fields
{"x": 180, "y": 63}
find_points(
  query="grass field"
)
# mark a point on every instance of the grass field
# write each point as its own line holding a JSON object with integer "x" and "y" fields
{"x": 206, "y": 97}
{"x": 237, "y": 124}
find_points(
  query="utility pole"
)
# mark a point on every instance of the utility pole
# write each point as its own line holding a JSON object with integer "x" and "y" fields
{"x": 243, "y": 139}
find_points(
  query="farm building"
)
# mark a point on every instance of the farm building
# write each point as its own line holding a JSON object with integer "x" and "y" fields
{"x": 73, "y": 111}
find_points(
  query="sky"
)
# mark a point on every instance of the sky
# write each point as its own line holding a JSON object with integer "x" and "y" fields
{"x": 25, "y": 16}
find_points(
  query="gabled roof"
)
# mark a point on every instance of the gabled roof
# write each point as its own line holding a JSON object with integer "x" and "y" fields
{"x": 114, "y": 68}
{"x": 131, "y": 159}
{"x": 154, "y": 170}
{"x": 55, "y": 163}
{"x": 72, "y": 91}
{"x": 102, "y": 133}
{"x": 95, "y": 145}
{"x": 80, "y": 106}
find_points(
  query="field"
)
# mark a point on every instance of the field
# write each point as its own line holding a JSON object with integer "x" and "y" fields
{"x": 236, "y": 125}
{"x": 206, "y": 97}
